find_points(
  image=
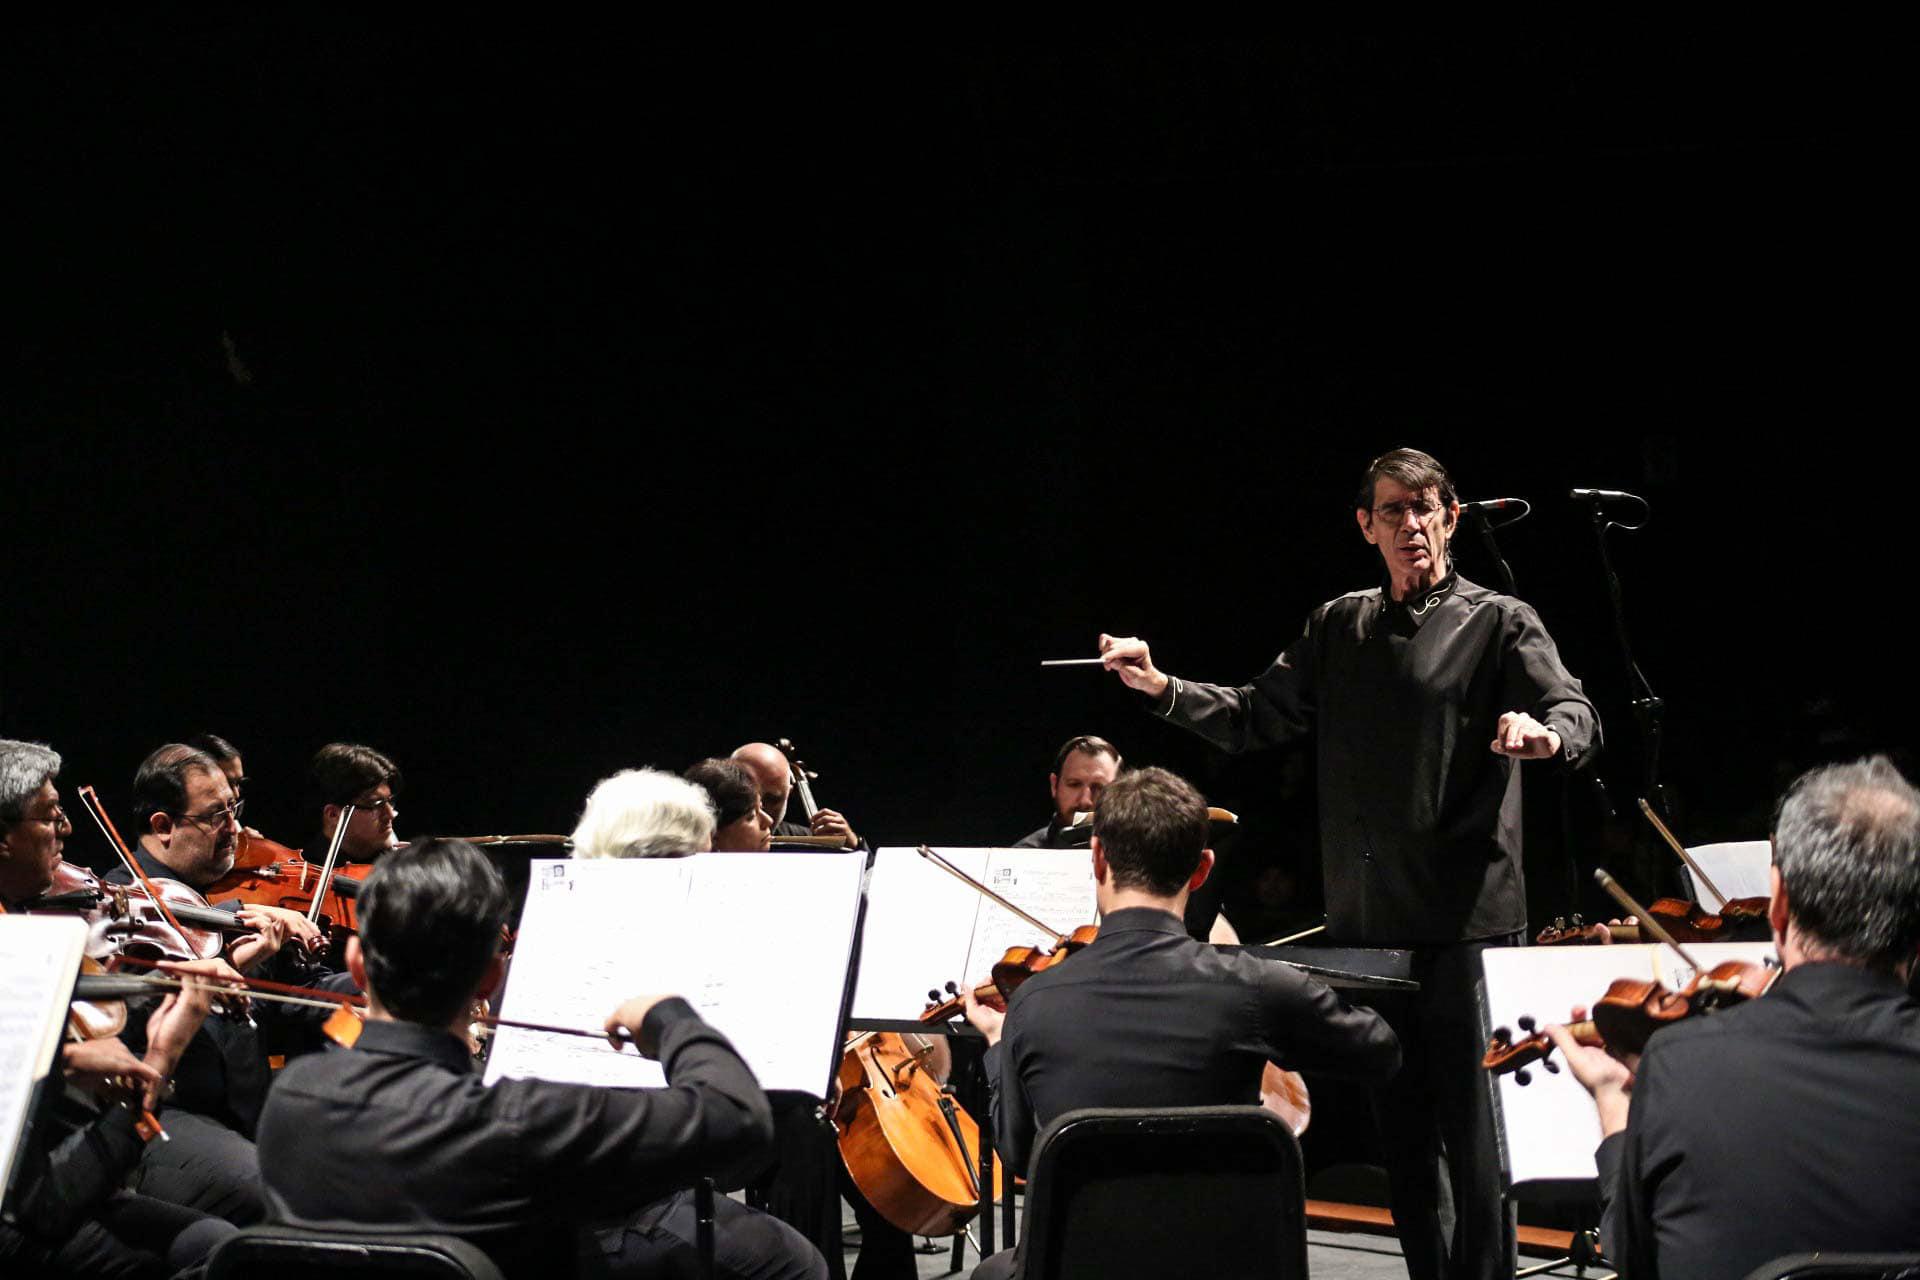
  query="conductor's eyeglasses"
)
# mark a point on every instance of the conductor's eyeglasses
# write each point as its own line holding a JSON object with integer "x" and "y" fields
{"x": 1394, "y": 514}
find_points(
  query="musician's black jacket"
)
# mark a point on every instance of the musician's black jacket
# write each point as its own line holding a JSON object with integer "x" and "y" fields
{"x": 1784, "y": 1125}
{"x": 1419, "y": 819}
{"x": 1146, "y": 1016}
{"x": 399, "y": 1132}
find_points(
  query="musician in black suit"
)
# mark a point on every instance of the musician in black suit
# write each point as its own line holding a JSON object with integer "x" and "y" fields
{"x": 1787, "y": 1124}
{"x": 1147, "y": 1016}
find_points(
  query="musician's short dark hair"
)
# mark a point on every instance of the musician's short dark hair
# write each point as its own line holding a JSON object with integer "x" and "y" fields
{"x": 160, "y": 783}
{"x": 430, "y": 915}
{"x": 730, "y": 788}
{"x": 1086, "y": 744}
{"x": 1152, "y": 826}
{"x": 1411, "y": 470}
{"x": 215, "y": 746}
{"x": 342, "y": 771}
{"x": 1847, "y": 843}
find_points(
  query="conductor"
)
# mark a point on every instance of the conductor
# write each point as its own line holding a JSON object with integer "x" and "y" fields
{"x": 1420, "y": 696}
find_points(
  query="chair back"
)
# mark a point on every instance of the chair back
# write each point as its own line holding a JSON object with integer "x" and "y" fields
{"x": 1840, "y": 1266}
{"x": 1738, "y": 868}
{"x": 297, "y": 1253}
{"x": 1214, "y": 1191}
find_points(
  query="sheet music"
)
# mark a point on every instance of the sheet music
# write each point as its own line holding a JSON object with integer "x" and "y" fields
{"x": 1550, "y": 1126}
{"x": 758, "y": 943}
{"x": 925, "y": 928}
{"x": 1739, "y": 868}
{"x": 39, "y": 958}
{"x": 1054, "y": 886}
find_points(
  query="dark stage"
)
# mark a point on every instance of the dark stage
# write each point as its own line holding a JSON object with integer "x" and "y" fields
{"x": 532, "y": 401}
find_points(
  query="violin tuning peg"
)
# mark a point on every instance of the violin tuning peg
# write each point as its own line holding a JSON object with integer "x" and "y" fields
{"x": 1526, "y": 1023}
{"x": 933, "y": 997}
{"x": 952, "y": 989}
{"x": 1522, "y": 1078}
{"x": 1553, "y": 1068}
{"x": 1502, "y": 1036}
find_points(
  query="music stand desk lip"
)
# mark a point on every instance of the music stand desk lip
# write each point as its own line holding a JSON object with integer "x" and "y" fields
{"x": 1330, "y": 964}
{"x": 913, "y": 1026}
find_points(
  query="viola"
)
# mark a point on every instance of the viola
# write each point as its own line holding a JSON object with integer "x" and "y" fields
{"x": 1626, "y": 1017}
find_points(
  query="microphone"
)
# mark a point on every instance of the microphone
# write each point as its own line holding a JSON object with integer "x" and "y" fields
{"x": 1487, "y": 506}
{"x": 1605, "y": 495}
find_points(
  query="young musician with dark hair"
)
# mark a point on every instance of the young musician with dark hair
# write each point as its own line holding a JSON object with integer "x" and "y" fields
{"x": 1146, "y": 1016}
{"x": 399, "y": 1132}
{"x": 347, "y": 773}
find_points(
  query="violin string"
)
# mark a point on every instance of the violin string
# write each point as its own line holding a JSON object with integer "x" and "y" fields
{"x": 90, "y": 801}
{"x": 989, "y": 894}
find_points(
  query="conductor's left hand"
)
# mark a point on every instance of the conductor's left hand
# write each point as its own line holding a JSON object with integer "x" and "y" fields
{"x": 1521, "y": 736}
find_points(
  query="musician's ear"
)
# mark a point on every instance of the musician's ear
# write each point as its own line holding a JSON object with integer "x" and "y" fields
{"x": 1201, "y": 871}
{"x": 160, "y": 824}
{"x": 1100, "y": 869}
{"x": 356, "y": 962}
{"x": 1777, "y": 906}
{"x": 496, "y": 970}
{"x": 329, "y": 818}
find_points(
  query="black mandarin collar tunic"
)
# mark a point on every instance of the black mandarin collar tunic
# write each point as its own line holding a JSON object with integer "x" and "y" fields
{"x": 1419, "y": 819}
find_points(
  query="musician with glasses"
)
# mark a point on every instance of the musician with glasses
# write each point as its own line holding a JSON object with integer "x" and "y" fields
{"x": 1420, "y": 695}
{"x": 188, "y": 822}
{"x": 347, "y": 773}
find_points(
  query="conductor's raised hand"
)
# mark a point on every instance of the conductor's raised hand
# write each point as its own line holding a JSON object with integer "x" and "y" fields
{"x": 1129, "y": 658}
{"x": 630, "y": 1017}
{"x": 1521, "y": 736}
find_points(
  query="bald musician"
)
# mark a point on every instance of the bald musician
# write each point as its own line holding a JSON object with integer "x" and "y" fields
{"x": 772, "y": 772}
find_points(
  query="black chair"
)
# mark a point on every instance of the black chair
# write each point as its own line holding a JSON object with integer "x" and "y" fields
{"x": 1214, "y": 1191}
{"x": 295, "y": 1253}
{"x": 1840, "y": 1266}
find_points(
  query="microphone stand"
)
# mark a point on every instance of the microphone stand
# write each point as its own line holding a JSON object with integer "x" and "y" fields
{"x": 1649, "y": 709}
{"x": 1486, "y": 528}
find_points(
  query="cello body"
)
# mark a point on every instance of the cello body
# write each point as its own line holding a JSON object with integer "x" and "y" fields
{"x": 896, "y": 1141}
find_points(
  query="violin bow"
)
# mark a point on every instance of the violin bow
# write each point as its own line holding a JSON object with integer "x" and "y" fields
{"x": 1647, "y": 921}
{"x": 1681, "y": 849}
{"x": 326, "y": 869}
{"x": 989, "y": 894}
{"x": 318, "y": 998}
{"x": 90, "y": 801}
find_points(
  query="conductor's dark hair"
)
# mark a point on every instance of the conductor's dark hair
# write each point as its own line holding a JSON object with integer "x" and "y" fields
{"x": 214, "y": 746}
{"x": 729, "y": 787}
{"x": 1410, "y": 469}
{"x": 430, "y": 915}
{"x": 1086, "y": 744}
{"x": 1152, "y": 825}
{"x": 341, "y": 771}
{"x": 1847, "y": 843}
{"x": 160, "y": 783}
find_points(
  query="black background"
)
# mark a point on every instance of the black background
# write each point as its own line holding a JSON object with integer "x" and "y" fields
{"x": 598, "y": 398}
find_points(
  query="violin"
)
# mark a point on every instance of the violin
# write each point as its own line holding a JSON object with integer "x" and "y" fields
{"x": 184, "y": 928}
{"x": 269, "y": 874}
{"x": 1626, "y": 1017}
{"x": 1741, "y": 920}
